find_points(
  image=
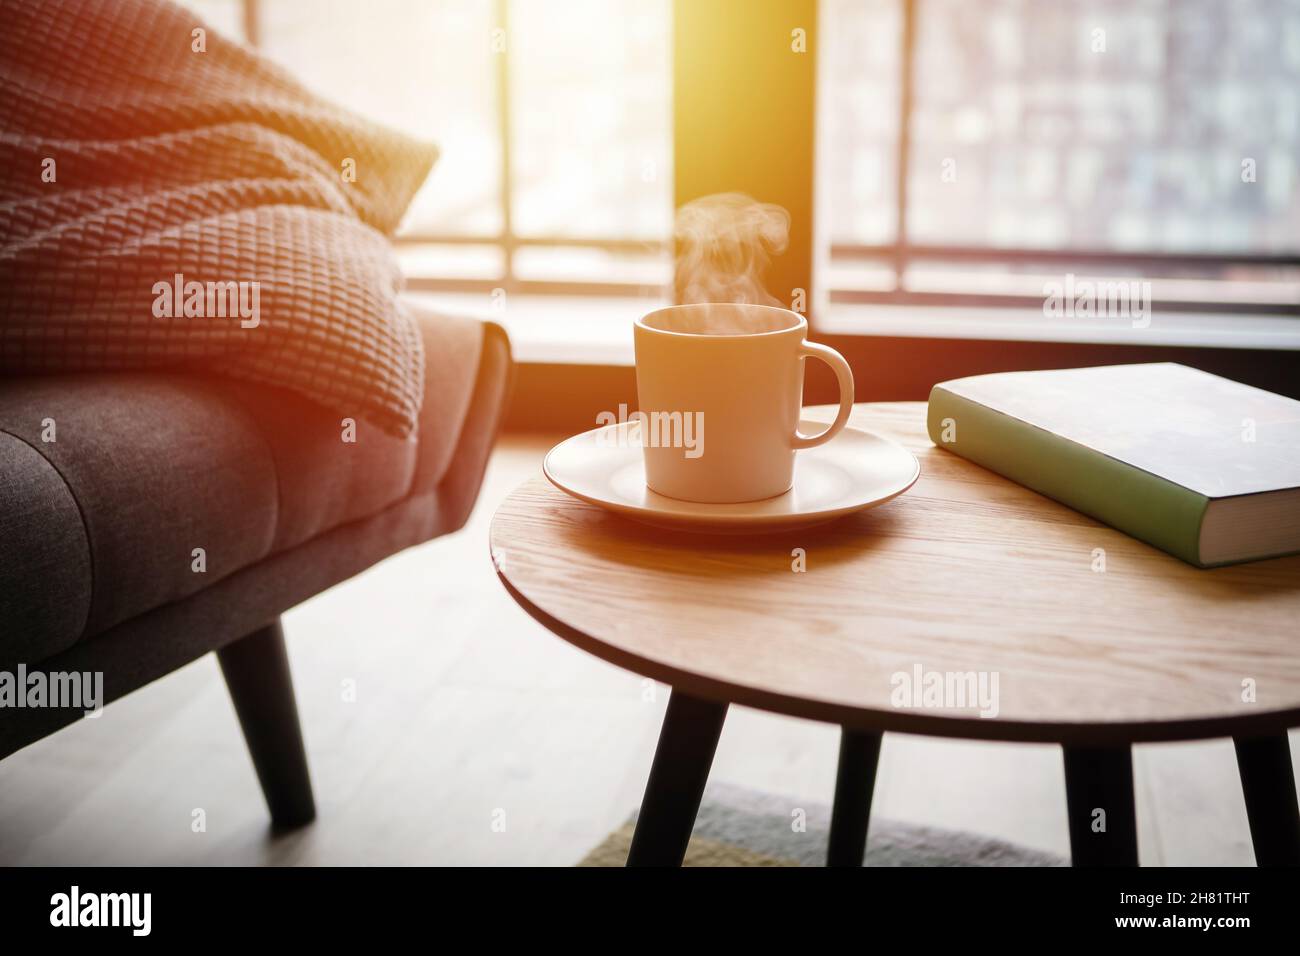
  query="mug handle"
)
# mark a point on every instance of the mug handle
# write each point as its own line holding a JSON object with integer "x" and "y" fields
{"x": 844, "y": 375}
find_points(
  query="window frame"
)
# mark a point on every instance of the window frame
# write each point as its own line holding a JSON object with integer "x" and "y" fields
{"x": 899, "y": 255}
{"x": 506, "y": 239}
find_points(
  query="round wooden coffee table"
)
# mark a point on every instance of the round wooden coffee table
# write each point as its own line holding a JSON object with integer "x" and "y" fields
{"x": 968, "y": 607}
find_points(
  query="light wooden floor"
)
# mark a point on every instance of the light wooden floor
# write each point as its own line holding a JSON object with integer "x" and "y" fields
{"x": 467, "y": 713}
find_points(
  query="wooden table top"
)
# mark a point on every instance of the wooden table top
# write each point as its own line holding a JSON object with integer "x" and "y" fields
{"x": 967, "y": 573}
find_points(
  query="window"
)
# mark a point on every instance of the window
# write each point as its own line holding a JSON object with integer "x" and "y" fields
{"x": 970, "y": 151}
{"x": 981, "y": 147}
{"x": 554, "y": 125}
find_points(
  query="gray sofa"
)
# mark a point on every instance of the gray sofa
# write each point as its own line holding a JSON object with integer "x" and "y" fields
{"x": 98, "y": 528}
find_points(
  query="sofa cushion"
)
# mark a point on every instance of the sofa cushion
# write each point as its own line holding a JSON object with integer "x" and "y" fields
{"x": 42, "y": 538}
{"x": 325, "y": 480}
{"x": 158, "y": 467}
{"x": 160, "y": 640}
{"x": 144, "y": 468}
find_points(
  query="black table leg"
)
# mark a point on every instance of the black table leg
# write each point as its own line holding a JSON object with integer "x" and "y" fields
{"x": 1268, "y": 783}
{"x": 1101, "y": 779}
{"x": 855, "y": 779}
{"x": 687, "y": 741}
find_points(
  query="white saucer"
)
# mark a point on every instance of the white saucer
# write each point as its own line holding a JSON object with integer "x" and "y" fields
{"x": 852, "y": 471}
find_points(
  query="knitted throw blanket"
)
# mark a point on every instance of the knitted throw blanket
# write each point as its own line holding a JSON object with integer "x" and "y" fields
{"x": 169, "y": 199}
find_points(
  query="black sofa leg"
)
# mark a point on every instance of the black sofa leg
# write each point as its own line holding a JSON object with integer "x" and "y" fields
{"x": 256, "y": 669}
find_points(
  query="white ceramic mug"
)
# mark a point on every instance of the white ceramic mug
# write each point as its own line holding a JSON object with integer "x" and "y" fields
{"x": 720, "y": 389}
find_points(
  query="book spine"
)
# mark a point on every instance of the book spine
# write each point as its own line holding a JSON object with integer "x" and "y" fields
{"x": 1134, "y": 501}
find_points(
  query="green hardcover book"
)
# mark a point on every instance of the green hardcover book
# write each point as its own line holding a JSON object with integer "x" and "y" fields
{"x": 1199, "y": 466}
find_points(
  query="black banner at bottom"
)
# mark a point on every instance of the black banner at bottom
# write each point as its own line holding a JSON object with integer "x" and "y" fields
{"x": 335, "y": 906}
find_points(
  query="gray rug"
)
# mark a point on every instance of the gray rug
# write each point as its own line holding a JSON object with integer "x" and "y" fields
{"x": 741, "y": 827}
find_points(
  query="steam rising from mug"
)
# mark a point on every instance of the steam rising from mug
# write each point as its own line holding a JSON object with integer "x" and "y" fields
{"x": 724, "y": 244}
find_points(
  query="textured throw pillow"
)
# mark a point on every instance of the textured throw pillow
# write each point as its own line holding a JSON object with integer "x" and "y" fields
{"x": 170, "y": 199}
